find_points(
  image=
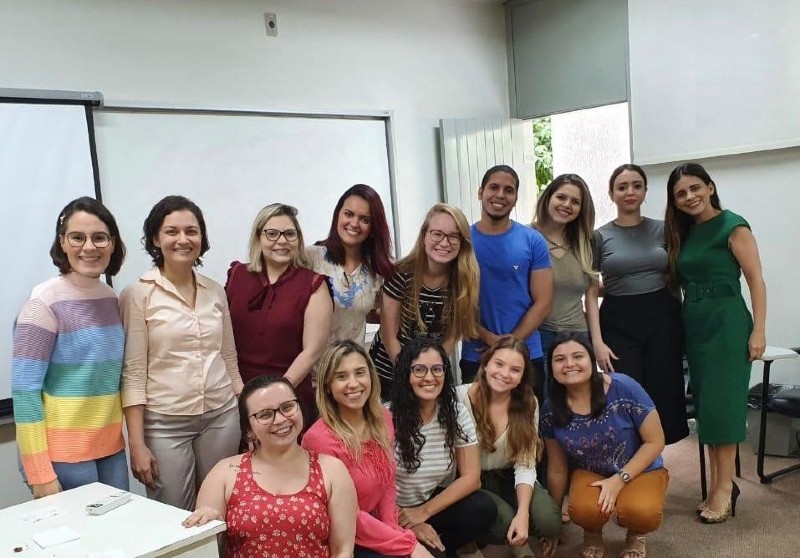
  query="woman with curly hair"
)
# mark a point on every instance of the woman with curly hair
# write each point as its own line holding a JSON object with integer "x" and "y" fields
{"x": 357, "y": 258}
{"x": 433, "y": 293}
{"x": 438, "y": 465}
{"x": 354, "y": 427}
{"x": 506, "y": 415}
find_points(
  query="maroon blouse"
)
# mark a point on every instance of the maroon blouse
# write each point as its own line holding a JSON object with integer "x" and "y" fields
{"x": 268, "y": 319}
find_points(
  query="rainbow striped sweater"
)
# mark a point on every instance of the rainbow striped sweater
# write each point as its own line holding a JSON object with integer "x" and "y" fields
{"x": 65, "y": 376}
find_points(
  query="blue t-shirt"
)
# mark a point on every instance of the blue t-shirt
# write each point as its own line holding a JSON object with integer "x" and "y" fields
{"x": 506, "y": 261}
{"x": 603, "y": 445}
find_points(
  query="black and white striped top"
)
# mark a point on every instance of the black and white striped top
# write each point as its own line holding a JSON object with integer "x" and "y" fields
{"x": 432, "y": 304}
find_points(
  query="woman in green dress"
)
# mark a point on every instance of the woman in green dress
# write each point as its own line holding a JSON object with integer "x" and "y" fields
{"x": 709, "y": 248}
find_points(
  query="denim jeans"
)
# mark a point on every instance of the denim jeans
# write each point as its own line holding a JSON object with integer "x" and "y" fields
{"x": 111, "y": 470}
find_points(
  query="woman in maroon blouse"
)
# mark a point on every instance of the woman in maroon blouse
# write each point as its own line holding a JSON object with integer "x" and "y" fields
{"x": 281, "y": 311}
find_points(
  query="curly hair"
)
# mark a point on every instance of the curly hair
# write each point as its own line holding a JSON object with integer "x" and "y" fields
{"x": 406, "y": 409}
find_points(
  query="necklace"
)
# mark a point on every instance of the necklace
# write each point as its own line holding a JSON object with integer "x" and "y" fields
{"x": 553, "y": 244}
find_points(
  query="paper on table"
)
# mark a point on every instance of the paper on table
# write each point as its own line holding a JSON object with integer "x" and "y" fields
{"x": 54, "y": 537}
{"x": 38, "y": 515}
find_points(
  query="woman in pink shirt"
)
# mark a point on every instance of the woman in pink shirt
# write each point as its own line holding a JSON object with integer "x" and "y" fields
{"x": 354, "y": 427}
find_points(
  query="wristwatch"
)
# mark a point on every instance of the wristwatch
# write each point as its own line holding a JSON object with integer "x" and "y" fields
{"x": 624, "y": 475}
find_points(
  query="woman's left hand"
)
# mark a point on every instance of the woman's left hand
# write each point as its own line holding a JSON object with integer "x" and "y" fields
{"x": 609, "y": 490}
{"x": 518, "y": 530}
{"x": 201, "y": 516}
{"x": 409, "y": 517}
{"x": 757, "y": 344}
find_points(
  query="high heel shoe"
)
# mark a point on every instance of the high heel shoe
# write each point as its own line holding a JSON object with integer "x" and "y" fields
{"x": 701, "y": 507}
{"x": 710, "y": 516}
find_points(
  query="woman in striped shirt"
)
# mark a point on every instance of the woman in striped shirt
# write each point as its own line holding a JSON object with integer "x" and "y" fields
{"x": 433, "y": 293}
{"x": 65, "y": 373}
{"x": 438, "y": 465}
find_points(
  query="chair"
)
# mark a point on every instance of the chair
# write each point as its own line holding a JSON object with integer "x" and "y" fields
{"x": 785, "y": 403}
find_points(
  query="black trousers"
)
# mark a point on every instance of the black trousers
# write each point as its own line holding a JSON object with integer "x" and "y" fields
{"x": 646, "y": 333}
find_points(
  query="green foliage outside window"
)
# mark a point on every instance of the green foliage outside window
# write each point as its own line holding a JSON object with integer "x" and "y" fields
{"x": 543, "y": 150}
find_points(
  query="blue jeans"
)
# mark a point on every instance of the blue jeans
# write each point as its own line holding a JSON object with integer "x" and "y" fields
{"x": 111, "y": 470}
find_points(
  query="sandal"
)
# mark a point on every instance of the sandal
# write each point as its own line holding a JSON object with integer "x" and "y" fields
{"x": 548, "y": 546}
{"x": 593, "y": 546}
{"x": 635, "y": 547}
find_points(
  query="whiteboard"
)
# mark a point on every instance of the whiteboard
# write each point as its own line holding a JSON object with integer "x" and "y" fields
{"x": 232, "y": 165}
{"x": 45, "y": 162}
{"x": 713, "y": 77}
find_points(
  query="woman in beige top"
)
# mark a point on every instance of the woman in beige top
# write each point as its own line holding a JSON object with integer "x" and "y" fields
{"x": 180, "y": 375}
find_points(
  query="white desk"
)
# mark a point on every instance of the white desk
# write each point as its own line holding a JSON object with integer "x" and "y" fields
{"x": 141, "y": 528}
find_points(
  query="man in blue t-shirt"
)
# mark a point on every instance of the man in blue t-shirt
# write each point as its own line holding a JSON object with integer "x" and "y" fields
{"x": 516, "y": 278}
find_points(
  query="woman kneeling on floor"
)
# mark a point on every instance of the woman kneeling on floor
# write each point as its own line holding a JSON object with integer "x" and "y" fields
{"x": 607, "y": 427}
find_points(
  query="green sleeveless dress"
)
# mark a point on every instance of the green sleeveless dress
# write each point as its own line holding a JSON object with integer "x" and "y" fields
{"x": 717, "y": 326}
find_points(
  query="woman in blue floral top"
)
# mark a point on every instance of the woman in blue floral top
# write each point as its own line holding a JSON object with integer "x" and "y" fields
{"x": 604, "y": 436}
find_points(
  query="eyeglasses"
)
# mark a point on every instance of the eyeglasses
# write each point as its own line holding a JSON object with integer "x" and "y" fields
{"x": 274, "y": 234}
{"x": 454, "y": 239}
{"x": 267, "y": 416}
{"x": 420, "y": 370}
{"x": 78, "y": 239}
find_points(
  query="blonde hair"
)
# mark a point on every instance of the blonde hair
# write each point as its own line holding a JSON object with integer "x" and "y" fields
{"x": 257, "y": 264}
{"x": 374, "y": 415}
{"x": 460, "y": 316}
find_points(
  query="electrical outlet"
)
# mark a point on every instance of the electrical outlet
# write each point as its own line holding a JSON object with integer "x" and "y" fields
{"x": 271, "y": 24}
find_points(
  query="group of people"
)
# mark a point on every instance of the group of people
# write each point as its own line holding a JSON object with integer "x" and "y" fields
{"x": 258, "y": 403}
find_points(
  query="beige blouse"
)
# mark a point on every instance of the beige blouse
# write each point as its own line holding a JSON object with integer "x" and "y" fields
{"x": 179, "y": 359}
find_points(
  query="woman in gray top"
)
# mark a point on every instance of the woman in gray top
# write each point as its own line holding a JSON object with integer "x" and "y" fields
{"x": 638, "y": 331}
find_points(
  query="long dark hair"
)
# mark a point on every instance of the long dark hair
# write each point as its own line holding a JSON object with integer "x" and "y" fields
{"x": 405, "y": 405}
{"x": 557, "y": 391}
{"x": 376, "y": 251}
{"x": 676, "y": 222}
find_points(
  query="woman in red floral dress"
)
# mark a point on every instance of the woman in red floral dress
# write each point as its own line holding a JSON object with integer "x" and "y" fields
{"x": 279, "y": 500}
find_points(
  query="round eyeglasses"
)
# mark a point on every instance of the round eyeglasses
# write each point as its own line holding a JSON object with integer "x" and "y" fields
{"x": 267, "y": 416}
{"x": 420, "y": 370}
{"x": 78, "y": 239}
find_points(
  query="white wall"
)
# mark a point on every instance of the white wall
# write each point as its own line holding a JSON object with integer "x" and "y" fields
{"x": 422, "y": 59}
{"x": 763, "y": 188}
{"x": 591, "y": 143}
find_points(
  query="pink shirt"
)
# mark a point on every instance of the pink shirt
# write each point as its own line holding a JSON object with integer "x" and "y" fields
{"x": 374, "y": 479}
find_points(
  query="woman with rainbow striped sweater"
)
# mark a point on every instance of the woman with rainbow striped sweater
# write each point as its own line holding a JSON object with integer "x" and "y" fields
{"x": 68, "y": 346}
